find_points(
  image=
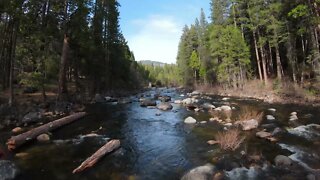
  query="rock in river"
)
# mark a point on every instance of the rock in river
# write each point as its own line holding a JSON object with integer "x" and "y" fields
{"x": 248, "y": 125}
{"x": 16, "y": 130}
{"x": 205, "y": 172}
{"x": 270, "y": 117}
{"x": 43, "y": 138}
{"x": 8, "y": 170}
{"x": 147, "y": 102}
{"x": 190, "y": 120}
{"x": 282, "y": 160}
{"x": 165, "y": 106}
{"x": 263, "y": 134}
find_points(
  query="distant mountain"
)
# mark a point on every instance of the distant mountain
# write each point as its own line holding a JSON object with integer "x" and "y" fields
{"x": 153, "y": 63}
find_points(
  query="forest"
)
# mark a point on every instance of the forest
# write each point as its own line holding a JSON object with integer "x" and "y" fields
{"x": 66, "y": 47}
{"x": 274, "y": 42}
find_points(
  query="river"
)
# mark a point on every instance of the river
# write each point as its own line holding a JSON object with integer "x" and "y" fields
{"x": 159, "y": 145}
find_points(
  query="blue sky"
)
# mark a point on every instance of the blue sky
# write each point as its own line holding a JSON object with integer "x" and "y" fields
{"x": 153, "y": 27}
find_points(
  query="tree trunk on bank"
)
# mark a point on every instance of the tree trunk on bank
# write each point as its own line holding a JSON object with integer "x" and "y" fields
{"x": 16, "y": 141}
{"x": 12, "y": 60}
{"x": 257, "y": 55}
{"x": 63, "y": 91}
{"x": 279, "y": 66}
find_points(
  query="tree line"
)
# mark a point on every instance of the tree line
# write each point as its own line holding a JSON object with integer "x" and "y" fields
{"x": 76, "y": 44}
{"x": 252, "y": 39}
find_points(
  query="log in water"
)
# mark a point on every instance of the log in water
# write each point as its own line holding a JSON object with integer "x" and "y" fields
{"x": 16, "y": 141}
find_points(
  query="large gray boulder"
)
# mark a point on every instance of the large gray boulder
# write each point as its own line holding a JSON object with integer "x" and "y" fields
{"x": 147, "y": 102}
{"x": 8, "y": 170}
{"x": 32, "y": 117}
{"x": 164, "y": 106}
{"x": 205, "y": 172}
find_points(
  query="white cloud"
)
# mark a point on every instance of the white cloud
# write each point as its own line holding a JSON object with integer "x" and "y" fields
{"x": 157, "y": 38}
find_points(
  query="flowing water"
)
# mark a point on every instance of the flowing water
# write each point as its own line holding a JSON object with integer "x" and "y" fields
{"x": 160, "y": 147}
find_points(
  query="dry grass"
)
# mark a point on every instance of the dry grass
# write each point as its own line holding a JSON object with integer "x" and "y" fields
{"x": 229, "y": 140}
{"x": 248, "y": 113}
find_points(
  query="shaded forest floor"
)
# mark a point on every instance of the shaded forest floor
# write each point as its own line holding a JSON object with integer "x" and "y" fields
{"x": 286, "y": 93}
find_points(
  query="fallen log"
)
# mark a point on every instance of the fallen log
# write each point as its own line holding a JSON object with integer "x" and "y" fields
{"x": 20, "y": 139}
{"x": 107, "y": 148}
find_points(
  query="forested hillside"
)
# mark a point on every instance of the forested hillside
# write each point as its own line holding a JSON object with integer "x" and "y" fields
{"x": 272, "y": 41}
{"x": 71, "y": 45}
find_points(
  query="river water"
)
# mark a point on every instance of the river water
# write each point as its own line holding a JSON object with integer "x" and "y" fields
{"x": 158, "y": 145}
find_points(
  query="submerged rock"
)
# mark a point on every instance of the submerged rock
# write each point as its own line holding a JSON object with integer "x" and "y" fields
{"x": 190, "y": 120}
{"x": 8, "y": 170}
{"x": 282, "y": 160}
{"x": 205, "y": 172}
{"x": 165, "y": 106}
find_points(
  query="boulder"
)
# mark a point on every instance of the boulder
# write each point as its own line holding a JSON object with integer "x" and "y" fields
{"x": 208, "y": 106}
{"x": 187, "y": 101}
{"x": 8, "y": 170}
{"x": 165, "y": 98}
{"x": 212, "y": 142}
{"x": 293, "y": 113}
{"x": 248, "y": 125}
{"x": 147, "y": 102}
{"x": 177, "y": 102}
{"x": 282, "y": 160}
{"x": 190, "y": 120}
{"x": 43, "y": 138}
{"x": 228, "y": 124}
{"x": 270, "y": 118}
{"x": 16, "y": 130}
{"x": 195, "y": 93}
{"x": 225, "y": 108}
{"x": 32, "y": 117}
{"x": 263, "y": 134}
{"x": 205, "y": 172}
{"x": 203, "y": 122}
{"x": 98, "y": 98}
{"x": 293, "y": 117}
{"x": 225, "y": 99}
{"x": 272, "y": 110}
{"x": 278, "y": 132}
{"x": 164, "y": 106}
{"x": 125, "y": 101}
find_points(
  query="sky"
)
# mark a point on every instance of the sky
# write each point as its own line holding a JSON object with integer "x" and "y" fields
{"x": 153, "y": 27}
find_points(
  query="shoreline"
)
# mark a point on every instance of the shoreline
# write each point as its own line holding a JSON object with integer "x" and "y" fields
{"x": 271, "y": 97}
